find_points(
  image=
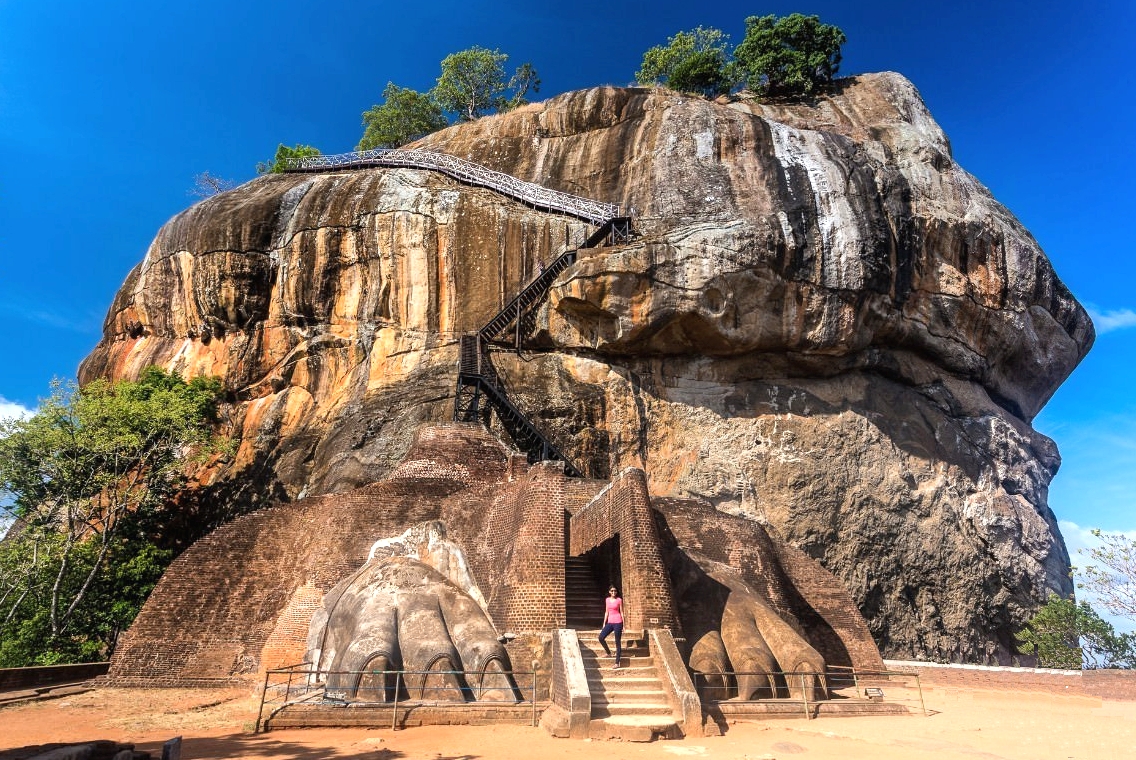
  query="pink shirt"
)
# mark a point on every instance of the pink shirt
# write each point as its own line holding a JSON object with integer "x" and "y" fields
{"x": 614, "y": 609}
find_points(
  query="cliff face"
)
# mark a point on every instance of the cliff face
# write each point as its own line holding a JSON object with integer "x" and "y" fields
{"x": 825, "y": 325}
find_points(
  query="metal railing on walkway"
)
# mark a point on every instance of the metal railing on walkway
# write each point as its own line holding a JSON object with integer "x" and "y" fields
{"x": 538, "y": 196}
{"x": 837, "y": 684}
{"x": 301, "y": 684}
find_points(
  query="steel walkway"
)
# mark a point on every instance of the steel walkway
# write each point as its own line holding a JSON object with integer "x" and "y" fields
{"x": 537, "y": 196}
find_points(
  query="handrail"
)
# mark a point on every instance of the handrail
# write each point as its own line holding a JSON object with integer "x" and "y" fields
{"x": 317, "y": 694}
{"x": 594, "y": 212}
{"x": 827, "y": 679}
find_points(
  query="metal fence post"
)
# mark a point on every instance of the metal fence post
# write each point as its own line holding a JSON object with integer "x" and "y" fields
{"x": 394, "y": 710}
{"x": 534, "y": 664}
{"x": 263, "y": 694}
{"x": 805, "y": 696}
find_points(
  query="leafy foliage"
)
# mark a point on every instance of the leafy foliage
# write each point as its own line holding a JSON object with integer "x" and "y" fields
{"x": 473, "y": 82}
{"x": 694, "y": 61}
{"x": 1064, "y": 634}
{"x": 790, "y": 56}
{"x": 87, "y": 478}
{"x": 523, "y": 81}
{"x": 1112, "y": 576}
{"x": 283, "y": 152}
{"x": 405, "y": 115}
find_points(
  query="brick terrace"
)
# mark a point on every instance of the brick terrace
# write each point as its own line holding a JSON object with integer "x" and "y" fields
{"x": 240, "y": 600}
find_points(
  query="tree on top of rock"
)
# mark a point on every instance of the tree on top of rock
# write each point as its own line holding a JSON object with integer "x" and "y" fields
{"x": 694, "y": 61}
{"x": 405, "y": 116}
{"x": 790, "y": 56}
{"x": 473, "y": 83}
{"x": 284, "y": 156}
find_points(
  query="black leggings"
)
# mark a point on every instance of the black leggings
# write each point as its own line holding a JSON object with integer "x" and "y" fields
{"x": 608, "y": 628}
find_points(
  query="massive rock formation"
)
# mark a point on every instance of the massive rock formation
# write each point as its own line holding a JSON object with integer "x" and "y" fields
{"x": 825, "y": 325}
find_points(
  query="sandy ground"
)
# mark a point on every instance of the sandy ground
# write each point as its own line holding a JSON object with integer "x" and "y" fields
{"x": 968, "y": 724}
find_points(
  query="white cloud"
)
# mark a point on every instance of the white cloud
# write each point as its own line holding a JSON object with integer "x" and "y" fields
{"x": 1079, "y": 541}
{"x": 1115, "y": 319}
{"x": 10, "y": 409}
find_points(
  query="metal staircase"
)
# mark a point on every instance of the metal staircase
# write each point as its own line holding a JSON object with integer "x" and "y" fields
{"x": 478, "y": 379}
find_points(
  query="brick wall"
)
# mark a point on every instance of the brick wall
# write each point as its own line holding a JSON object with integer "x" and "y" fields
{"x": 529, "y": 530}
{"x": 1106, "y": 684}
{"x": 240, "y": 599}
{"x": 623, "y": 509}
{"x": 12, "y": 679}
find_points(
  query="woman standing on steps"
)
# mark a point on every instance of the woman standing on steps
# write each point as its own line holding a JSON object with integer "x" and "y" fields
{"x": 613, "y": 621}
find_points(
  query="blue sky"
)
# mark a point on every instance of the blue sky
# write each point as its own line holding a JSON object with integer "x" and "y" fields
{"x": 108, "y": 111}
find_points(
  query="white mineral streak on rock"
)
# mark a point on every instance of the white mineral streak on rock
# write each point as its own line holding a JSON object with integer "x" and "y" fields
{"x": 427, "y": 543}
{"x": 839, "y": 229}
{"x": 286, "y": 216}
{"x": 704, "y": 144}
{"x": 730, "y": 354}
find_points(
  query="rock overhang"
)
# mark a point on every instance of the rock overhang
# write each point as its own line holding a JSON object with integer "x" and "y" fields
{"x": 818, "y": 275}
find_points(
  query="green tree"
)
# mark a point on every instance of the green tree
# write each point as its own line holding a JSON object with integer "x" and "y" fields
{"x": 283, "y": 153}
{"x": 694, "y": 61}
{"x": 85, "y": 479}
{"x": 790, "y": 56}
{"x": 1064, "y": 634}
{"x": 405, "y": 115}
{"x": 1112, "y": 574}
{"x": 473, "y": 83}
{"x": 523, "y": 81}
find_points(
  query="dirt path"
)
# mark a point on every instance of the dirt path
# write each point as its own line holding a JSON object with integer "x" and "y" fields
{"x": 965, "y": 724}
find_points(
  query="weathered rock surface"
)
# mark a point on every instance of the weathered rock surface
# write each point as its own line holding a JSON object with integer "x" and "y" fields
{"x": 826, "y": 325}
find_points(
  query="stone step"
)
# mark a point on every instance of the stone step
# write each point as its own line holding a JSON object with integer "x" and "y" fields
{"x": 634, "y": 728}
{"x": 624, "y": 673}
{"x": 592, "y": 644}
{"x": 628, "y": 654}
{"x": 593, "y": 634}
{"x": 659, "y": 709}
{"x": 637, "y": 666}
{"x": 623, "y": 683}
{"x": 603, "y": 697}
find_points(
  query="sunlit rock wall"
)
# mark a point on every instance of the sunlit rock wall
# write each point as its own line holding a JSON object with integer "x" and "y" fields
{"x": 825, "y": 325}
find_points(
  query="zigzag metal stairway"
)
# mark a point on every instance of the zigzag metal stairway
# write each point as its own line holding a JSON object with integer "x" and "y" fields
{"x": 478, "y": 379}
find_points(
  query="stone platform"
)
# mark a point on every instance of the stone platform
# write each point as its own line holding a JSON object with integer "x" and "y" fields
{"x": 406, "y": 715}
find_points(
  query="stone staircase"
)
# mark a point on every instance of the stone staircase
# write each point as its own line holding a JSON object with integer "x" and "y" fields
{"x": 629, "y": 703}
{"x": 583, "y": 596}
